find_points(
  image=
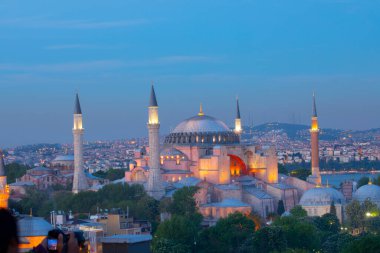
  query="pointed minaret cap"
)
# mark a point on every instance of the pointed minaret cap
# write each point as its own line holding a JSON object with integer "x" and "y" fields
{"x": 200, "y": 113}
{"x": 2, "y": 165}
{"x": 237, "y": 108}
{"x": 77, "y": 109}
{"x": 152, "y": 100}
{"x": 314, "y": 106}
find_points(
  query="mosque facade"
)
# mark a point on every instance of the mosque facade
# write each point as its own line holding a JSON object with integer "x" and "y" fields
{"x": 203, "y": 151}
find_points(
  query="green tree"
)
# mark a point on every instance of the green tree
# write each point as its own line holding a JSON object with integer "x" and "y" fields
{"x": 370, "y": 208}
{"x": 373, "y": 225}
{"x": 35, "y": 201}
{"x": 298, "y": 212}
{"x": 301, "y": 173}
{"x": 282, "y": 169}
{"x": 280, "y": 207}
{"x": 111, "y": 174}
{"x": 179, "y": 231}
{"x": 299, "y": 233}
{"x": 228, "y": 235}
{"x": 328, "y": 223}
{"x": 333, "y": 208}
{"x": 334, "y": 243}
{"x": 364, "y": 244}
{"x": 295, "y": 251}
{"x": 355, "y": 214}
{"x": 14, "y": 171}
{"x": 183, "y": 201}
{"x": 270, "y": 239}
{"x": 163, "y": 245}
{"x": 123, "y": 196}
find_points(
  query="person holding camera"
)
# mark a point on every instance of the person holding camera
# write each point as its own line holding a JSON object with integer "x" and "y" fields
{"x": 58, "y": 242}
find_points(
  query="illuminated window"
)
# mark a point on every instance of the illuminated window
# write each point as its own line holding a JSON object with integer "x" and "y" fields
{"x": 178, "y": 160}
{"x": 162, "y": 160}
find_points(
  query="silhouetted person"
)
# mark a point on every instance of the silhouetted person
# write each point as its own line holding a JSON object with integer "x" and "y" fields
{"x": 8, "y": 232}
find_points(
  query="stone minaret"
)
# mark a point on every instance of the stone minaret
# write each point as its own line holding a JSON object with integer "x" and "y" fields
{"x": 238, "y": 128}
{"x": 155, "y": 187}
{"x": 4, "y": 188}
{"x": 315, "y": 177}
{"x": 80, "y": 180}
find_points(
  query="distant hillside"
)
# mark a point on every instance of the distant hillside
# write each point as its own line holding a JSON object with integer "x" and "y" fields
{"x": 295, "y": 131}
{"x": 292, "y": 130}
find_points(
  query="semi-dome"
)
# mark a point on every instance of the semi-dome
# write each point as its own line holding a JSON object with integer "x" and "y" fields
{"x": 201, "y": 124}
{"x": 202, "y": 130}
{"x": 369, "y": 192}
{"x": 172, "y": 152}
{"x": 321, "y": 197}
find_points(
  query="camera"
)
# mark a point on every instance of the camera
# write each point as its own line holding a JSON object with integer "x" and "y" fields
{"x": 52, "y": 240}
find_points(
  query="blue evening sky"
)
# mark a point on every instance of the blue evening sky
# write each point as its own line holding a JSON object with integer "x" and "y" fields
{"x": 272, "y": 54}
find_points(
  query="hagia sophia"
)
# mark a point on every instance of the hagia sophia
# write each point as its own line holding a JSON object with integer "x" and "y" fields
{"x": 203, "y": 151}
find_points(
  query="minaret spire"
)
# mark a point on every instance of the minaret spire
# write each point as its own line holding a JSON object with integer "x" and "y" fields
{"x": 155, "y": 187}
{"x": 238, "y": 129}
{"x": 152, "y": 100}
{"x": 315, "y": 176}
{"x": 77, "y": 109}
{"x": 79, "y": 181}
{"x": 314, "y": 106}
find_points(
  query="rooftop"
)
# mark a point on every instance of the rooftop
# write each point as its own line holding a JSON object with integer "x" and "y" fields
{"x": 227, "y": 203}
{"x": 201, "y": 124}
{"x": 126, "y": 238}
{"x": 260, "y": 194}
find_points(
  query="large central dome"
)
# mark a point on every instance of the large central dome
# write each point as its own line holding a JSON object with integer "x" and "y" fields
{"x": 201, "y": 124}
{"x": 202, "y": 130}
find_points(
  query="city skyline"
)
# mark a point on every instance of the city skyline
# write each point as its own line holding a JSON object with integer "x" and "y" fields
{"x": 271, "y": 55}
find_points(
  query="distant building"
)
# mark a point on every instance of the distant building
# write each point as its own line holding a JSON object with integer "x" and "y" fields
{"x": 317, "y": 201}
{"x": 117, "y": 222}
{"x": 64, "y": 162}
{"x": 126, "y": 243}
{"x": 32, "y": 231}
{"x": 347, "y": 188}
{"x": 44, "y": 178}
{"x": 369, "y": 192}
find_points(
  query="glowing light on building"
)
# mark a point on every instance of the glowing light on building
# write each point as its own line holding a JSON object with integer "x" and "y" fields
{"x": 153, "y": 115}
